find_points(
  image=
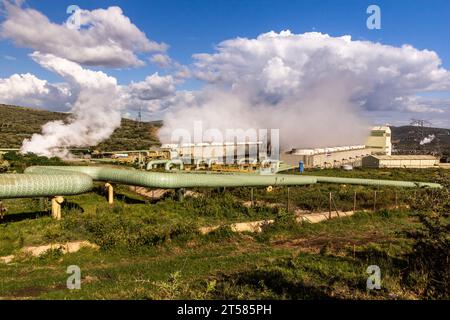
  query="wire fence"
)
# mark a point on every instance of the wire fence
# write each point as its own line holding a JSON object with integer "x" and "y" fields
{"x": 352, "y": 199}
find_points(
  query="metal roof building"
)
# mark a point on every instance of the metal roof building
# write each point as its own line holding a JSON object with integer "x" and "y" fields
{"x": 400, "y": 161}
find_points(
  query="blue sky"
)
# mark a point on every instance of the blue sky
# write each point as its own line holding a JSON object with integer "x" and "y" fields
{"x": 194, "y": 26}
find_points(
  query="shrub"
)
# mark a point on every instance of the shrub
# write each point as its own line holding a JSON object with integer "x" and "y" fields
{"x": 429, "y": 260}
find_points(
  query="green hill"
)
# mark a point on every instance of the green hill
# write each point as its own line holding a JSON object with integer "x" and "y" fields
{"x": 18, "y": 123}
{"x": 406, "y": 140}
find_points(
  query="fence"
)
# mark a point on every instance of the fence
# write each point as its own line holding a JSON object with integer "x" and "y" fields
{"x": 352, "y": 199}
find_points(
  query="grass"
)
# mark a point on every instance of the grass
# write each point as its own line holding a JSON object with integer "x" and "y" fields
{"x": 152, "y": 249}
{"x": 239, "y": 266}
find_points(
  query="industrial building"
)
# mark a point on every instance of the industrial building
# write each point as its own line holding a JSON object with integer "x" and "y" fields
{"x": 225, "y": 153}
{"x": 326, "y": 157}
{"x": 400, "y": 161}
{"x": 380, "y": 140}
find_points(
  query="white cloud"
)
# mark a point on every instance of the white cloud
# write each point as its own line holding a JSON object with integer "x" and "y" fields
{"x": 28, "y": 90}
{"x": 285, "y": 61}
{"x": 313, "y": 87}
{"x": 153, "y": 87}
{"x": 161, "y": 60}
{"x": 73, "y": 72}
{"x": 422, "y": 105}
{"x": 148, "y": 96}
{"x": 107, "y": 37}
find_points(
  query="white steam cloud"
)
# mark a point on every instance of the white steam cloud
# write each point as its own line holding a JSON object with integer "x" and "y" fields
{"x": 95, "y": 113}
{"x": 427, "y": 140}
{"x": 96, "y": 110}
{"x": 313, "y": 87}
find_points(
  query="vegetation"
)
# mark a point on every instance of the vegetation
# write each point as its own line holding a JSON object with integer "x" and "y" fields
{"x": 18, "y": 162}
{"x": 153, "y": 249}
{"x": 17, "y": 124}
{"x": 406, "y": 139}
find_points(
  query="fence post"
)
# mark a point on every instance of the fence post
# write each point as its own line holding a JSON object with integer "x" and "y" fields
{"x": 288, "y": 204}
{"x": 329, "y": 200}
{"x": 396, "y": 200}
{"x": 374, "y": 200}
{"x": 251, "y": 197}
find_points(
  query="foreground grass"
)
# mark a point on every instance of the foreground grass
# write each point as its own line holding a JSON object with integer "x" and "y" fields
{"x": 152, "y": 250}
{"x": 326, "y": 260}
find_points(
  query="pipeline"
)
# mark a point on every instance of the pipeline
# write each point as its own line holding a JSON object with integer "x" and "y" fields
{"x": 175, "y": 180}
{"x": 247, "y": 160}
{"x": 154, "y": 163}
{"x": 376, "y": 182}
{"x": 71, "y": 180}
{"x": 199, "y": 162}
{"x": 175, "y": 162}
{"x": 49, "y": 183}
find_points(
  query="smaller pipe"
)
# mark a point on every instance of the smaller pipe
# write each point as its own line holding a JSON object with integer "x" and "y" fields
{"x": 211, "y": 162}
{"x": 274, "y": 165}
{"x": 198, "y": 162}
{"x": 250, "y": 160}
{"x": 175, "y": 162}
{"x": 152, "y": 163}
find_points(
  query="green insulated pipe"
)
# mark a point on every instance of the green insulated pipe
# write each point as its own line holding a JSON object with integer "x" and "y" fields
{"x": 55, "y": 183}
{"x": 70, "y": 180}
{"x": 177, "y": 180}
{"x": 375, "y": 182}
{"x": 152, "y": 163}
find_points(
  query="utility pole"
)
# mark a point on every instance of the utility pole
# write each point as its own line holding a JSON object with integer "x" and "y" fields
{"x": 139, "y": 117}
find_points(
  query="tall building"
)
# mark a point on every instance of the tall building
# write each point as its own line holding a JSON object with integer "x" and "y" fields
{"x": 380, "y": 140}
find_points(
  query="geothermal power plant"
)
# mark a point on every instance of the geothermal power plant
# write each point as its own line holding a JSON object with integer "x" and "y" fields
{"x": 211, "y": 165}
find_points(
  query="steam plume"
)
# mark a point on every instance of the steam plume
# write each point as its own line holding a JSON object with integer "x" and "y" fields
{"x": 94, "y": 116}
{"x": 427, "y": 140}
{"x": 317, "y": 89}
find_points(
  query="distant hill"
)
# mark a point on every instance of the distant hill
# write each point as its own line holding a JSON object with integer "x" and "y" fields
{"x": 18, "y": 123}
{"x": 406, "y": 139}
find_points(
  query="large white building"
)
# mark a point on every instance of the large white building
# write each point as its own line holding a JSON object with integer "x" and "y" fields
{"x": 380, "y": 140}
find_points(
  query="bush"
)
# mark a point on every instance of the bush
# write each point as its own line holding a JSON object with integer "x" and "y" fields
{"x": 110, "y": 230}
{"x": 429, "y": 260}
{"x": 19, "y": 162}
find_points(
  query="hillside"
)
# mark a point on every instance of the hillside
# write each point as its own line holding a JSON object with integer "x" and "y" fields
{"x": 17, "y": 124}
{"x": 406, "y": 139}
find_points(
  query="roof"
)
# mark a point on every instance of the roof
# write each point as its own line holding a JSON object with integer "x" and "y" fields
{"x": 381, "y": 128}
{"x": 404, "y": 157}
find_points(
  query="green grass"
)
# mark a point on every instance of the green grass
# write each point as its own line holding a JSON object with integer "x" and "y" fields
{"x": 239, "y": 266}
{"x": 424, "y": 175}
{"x": 152, "y": 249}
